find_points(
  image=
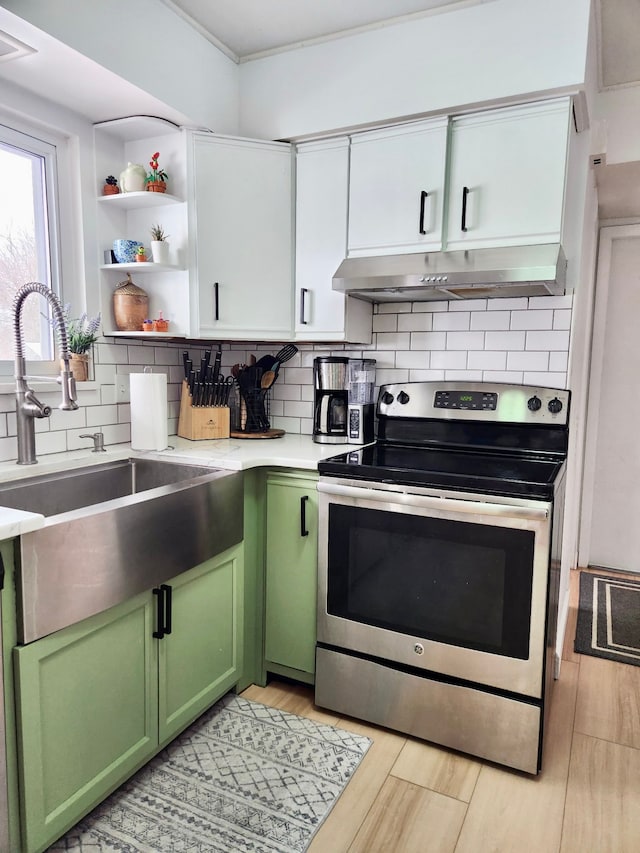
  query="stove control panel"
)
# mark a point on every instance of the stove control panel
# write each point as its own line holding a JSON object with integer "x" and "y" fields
{"x": 480, "y": 401}
{"x": 465, "y": 399}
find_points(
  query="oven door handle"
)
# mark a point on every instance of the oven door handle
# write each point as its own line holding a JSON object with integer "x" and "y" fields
{"x": 442, "y": 504}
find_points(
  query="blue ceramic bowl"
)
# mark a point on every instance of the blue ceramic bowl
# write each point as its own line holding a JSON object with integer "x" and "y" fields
{"x": 126, "y": 250}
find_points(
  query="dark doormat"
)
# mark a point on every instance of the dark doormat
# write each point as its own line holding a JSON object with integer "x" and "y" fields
{"x": 609, "y": 618}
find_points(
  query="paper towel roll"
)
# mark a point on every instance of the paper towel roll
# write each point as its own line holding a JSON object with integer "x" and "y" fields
{"x": 149, "y": 430}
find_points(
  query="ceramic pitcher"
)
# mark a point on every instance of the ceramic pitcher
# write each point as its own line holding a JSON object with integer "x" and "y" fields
{"x": 132, "y": 179}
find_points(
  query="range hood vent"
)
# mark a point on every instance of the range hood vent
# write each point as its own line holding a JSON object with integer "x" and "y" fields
{"x": 466, "y": 274}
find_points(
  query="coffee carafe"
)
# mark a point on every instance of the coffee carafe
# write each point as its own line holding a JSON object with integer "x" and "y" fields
{"x": 330, "y": 400}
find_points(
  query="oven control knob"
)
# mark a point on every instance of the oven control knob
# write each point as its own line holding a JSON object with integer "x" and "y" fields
{"x": 403, "y": 398}
{"x": 533, "y": 404}
{"x": 555, "y": 406}
{"x": 387, "y": 398}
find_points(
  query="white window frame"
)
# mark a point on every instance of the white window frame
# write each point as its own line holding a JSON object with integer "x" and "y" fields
{"x": 39, "y": 142}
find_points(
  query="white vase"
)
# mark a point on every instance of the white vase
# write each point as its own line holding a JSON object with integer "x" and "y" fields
{"x": 160, "y": 251}
{"x": 133, "y": 178}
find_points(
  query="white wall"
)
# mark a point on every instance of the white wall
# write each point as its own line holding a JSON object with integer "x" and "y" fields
{"x": 620, "y": 110}
{"x": 147, "y": 44}
{"x": 487, "y": 52}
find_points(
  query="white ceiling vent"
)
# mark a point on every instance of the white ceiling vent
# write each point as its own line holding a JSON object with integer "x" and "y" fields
{"x": 12, "y": 48}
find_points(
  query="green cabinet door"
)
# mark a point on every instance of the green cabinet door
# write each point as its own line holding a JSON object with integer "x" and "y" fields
{"x": 87, "y": 715}
{"x": 291, "y": 571}
{"x": 202, "y": 656}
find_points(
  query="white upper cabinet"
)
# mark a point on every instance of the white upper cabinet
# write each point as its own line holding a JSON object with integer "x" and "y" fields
{"x": 321, "y": 313}
{"x": 507, "y": 176}
{"x": 397, "y": 189}
{"x": 241, "y": 260}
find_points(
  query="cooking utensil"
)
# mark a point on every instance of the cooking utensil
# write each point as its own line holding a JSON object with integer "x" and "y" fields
{"x": 287, "y": 352}
{"x": 216, "y": 364}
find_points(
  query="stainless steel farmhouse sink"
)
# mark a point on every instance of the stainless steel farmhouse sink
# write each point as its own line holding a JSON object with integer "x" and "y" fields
{"x": 115, "y": 529}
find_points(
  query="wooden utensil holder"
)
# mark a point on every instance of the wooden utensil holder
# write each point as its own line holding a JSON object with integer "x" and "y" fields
{"x": 201, "y": 422}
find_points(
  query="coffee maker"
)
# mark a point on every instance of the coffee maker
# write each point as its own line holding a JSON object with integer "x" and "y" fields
{"x": 361, "y": 380}
{"x": 331, "y": 399}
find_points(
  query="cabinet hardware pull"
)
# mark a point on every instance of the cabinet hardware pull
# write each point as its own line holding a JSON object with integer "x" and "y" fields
{"x": 158, "y": 634}
{"x": 303, "y": 516}
{"x": 303, "y": 304}
{"x": 216, "y": 301}
{"x": 167, "y": 607}
{"x": 465, "y": 193}
{"x": 423, "y": 198}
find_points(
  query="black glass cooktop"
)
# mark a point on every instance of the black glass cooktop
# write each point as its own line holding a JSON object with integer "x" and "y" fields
{"x": 465, "y": 470}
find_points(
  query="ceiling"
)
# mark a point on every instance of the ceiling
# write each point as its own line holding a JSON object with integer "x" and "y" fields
{"x": 244, "y": 28}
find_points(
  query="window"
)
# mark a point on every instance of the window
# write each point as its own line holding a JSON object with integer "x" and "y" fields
{"x": 28, "y": 239}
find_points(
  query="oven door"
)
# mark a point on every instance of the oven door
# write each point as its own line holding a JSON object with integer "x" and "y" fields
{"x": 444, "y": 582}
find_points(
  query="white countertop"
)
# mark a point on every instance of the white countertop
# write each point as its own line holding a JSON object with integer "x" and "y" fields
{"x": 289, "y": 451}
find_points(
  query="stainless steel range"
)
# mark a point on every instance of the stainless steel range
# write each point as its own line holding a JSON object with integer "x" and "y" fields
{"x": 439, "y": 563}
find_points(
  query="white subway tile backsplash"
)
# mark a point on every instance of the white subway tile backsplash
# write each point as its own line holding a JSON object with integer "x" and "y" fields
{"x": 487, "y": 360}
{"x": 448, "y": 360}
{"x": 386, "y": 322}
{"x": 426, "y": 375}
{"x": 562, "y": 319}
{"x": 531, "y": 319}
{"x": 428, "y": 340}
{"x": 469, "y": 305}
{"x": 386, "y": 376}
{"x": 547, "y": 379}
{"x": 504, "y": 340}
{"x": 412, "y": 358}
{"x": 415, "y": 322}
{"x": 140, "y": 355}
{"x": 558, "y": 361}
{"x": 536, "y": 302}
{"x": 431, "y": 307}
{"x": 465, "y": 340}
{"x": 527, "y": 360}
{"x": 511, "y": 340}
{"x": 550, "y": 340}
{"x": 511, "y": 377}
{"x": 452, "y": 322}
{"x": 393, "y": 308}
{"x": 298, "y": 409}
{"x": 518, "y": 303}
{"x": 485, "y": 320}
{"x": 463, "y": 375}
{"x": 389, "y": 340}
{"x": 99, "y": 415}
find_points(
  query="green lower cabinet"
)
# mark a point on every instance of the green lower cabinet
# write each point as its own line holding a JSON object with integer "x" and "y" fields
{"x": 95, "y": 701}
{"x": 202, "y": 657}
{"x": 291, "y": 574}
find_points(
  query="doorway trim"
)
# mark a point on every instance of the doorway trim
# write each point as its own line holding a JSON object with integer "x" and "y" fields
{"x": 608, "y": 235}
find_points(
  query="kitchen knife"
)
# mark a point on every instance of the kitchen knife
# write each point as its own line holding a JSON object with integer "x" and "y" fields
{"x": 216, "y": 364}
{"x": 203, "y": 368}
{"x": 185, "y": 362}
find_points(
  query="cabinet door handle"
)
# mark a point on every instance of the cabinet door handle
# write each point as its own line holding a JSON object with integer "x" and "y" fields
{"x": 159, "y": 632}
{"x": 303, "y": 516}
{"x": 465, "y": 193}
{"x": 303, "y": 305}
{"x": 167, "y": 607}
{"x": 423, "y": 198}
{"x": 216, "y": 301}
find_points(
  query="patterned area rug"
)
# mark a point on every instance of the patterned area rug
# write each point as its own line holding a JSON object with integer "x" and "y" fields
{"x": 609, "y": 618}
{"x": 244, "y": 778}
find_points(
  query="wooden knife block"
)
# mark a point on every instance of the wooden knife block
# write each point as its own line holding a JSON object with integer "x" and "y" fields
{"x": 201, "y": 422}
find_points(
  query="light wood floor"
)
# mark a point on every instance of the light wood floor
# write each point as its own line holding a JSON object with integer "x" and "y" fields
{"x": 410, "y": 797}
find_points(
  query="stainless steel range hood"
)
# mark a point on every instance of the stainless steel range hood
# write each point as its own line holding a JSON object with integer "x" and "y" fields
{"x": 466, "y": 274}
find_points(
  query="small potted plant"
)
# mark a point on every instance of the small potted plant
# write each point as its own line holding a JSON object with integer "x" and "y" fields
{"x": 141, "y": 254}
{"x": 110, "y": 186}
{"x": 159, "y": 245}
{"x": 157, "y": 177}
{"x": 82, "y": 333}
